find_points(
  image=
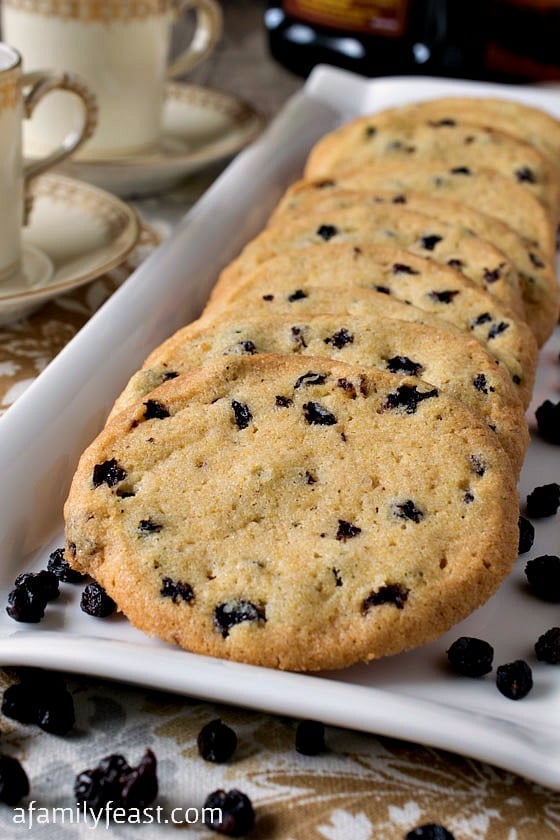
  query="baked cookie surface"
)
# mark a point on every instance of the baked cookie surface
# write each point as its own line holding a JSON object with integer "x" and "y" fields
{"x": 539, "y": 287}
{"x": 388, "y": 224}
{"x": 456, "y": 364}
{"x": 528, "y": 123}
{"x": 311, "y": 279}
{"x": 294, "y": 512}
{"x": 476, "y": 186}
{"x": 405, "y": 132}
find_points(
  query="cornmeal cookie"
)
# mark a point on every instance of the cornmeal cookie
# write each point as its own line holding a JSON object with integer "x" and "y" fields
{"x": 310, "y": 280}
{"x": 398, "y": 133}
{"x": 456, "y": 364}
{"x": 445, "y": 243}
{"x": 539, "y": 288}
{"x": 294, "y": 512}
{"x": 528, "y": 123}
{"x": 281, "y": 297}
{"x": 483, "y": 189}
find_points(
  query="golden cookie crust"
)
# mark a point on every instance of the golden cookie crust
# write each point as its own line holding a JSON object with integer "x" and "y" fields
{"x": 324, "y": 278}
{"x": 482, "y": 188}
{"x": 537, "y": 274}
{"x": 527, "y": 122}
{"x": 388, "y": 224}
{"x": 409, "y": 133}
{"x": 297, "y": 513}
{"x": 456, "y": 364}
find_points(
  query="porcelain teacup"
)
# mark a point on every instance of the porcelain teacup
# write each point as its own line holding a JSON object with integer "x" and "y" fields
{"x": 121, "y": 49}
{"x": 20, "y": 94}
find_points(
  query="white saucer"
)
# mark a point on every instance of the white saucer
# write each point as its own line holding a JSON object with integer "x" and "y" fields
{"x": 75, "y": 233}
{"x": 35, "y": 273}
{"x": 200, "y": 126}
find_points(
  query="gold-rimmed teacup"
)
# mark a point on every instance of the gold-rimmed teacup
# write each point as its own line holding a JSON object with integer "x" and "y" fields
{"x": 121, "y": 49}
{"x": 20, "y": 94}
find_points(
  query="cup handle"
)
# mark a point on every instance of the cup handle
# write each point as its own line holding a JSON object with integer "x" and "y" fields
{"x": 209, "y": 24}
{"x": 41, "y": 84}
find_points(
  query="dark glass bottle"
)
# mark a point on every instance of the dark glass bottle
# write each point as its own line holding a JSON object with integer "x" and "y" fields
{"x": 523, "y": 40}
{"x": 380, "y": 38}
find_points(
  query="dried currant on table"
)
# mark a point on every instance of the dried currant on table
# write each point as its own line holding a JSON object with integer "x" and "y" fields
{"x": 430, "y": 831}
{"x": 40, "y": 698}
{"x": 96, "y": 602}
{"x": 43, "y": 583}
{"x": 29, "y": 598}
{"x": 55, "y": 713}
{"x": 514, "y": 679}
{"x": 18, "y": 703}
{"x": 59, "y": 566}
{"x": 14, "y": 784}
{"x": 100, "y": 785}
{"x": 543, "y": 576}
{"x": 26, "y": 606}
{"x": 543, "y": 501}
{"x": 548, "y": 421}
{"x": 216, "y": 741}
{"x": 140, "y": 785}
{"x": 526, "y": 535}
{"x": 310, "y": 737}
{"x": 114, "y": 781}
{"x": 547, "y": 646}
{"x": 236, "y": 811}
{"x": 471, "y": 657}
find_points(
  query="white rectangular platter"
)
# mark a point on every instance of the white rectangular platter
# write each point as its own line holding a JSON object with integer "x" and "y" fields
{"x": 411, "y": 696}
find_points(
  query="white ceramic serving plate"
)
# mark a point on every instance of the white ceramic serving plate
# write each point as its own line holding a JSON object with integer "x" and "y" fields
{"x": 412, "y": 695}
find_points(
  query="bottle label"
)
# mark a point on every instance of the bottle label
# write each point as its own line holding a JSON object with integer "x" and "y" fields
{"x": 381, "y": 17}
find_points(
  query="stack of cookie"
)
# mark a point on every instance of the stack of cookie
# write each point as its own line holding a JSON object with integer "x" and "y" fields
{"x": 322, "y": 469}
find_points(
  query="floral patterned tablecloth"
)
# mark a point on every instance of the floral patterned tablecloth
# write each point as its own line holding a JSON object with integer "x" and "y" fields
{"x": 363, "y": 788}
{"x": 28, "y": 345}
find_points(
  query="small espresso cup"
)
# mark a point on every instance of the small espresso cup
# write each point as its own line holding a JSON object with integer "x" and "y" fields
{"x": 121, "y": 50}
{"x": 19, "y": 95}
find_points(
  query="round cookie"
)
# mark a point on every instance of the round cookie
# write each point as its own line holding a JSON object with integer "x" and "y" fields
{"x": 296, "y": 513}
{"x": 326, "y": 279}
{"x": 402, "y": 132}
{"x": 456, "y": 364}
{"x": 388, "y": 224}
{"x": 483, "y": 189}
{"x": 528, "y": 123}
{"x": 539, "y": 288}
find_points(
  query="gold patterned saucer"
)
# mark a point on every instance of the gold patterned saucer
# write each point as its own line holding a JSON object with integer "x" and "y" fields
{"x": 201, "y": 126}
{"x": 76, "y": 232}
{"x": 35, "y": 273}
